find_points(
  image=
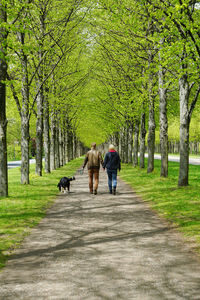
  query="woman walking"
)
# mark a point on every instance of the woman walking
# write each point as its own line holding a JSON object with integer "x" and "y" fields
{"x": 112, "y": 163}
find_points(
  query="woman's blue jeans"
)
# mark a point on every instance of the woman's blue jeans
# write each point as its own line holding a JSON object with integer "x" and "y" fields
{"x": 112, "y": 179}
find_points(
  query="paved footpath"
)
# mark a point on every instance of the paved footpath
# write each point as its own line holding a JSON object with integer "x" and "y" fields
{"x": 101, "y": 247}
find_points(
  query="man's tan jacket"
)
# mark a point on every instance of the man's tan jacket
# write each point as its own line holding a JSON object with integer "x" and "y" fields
{"x": 93, "y": 159}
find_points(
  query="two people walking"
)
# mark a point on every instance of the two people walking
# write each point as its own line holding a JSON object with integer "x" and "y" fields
{"x": 111, "y": 163}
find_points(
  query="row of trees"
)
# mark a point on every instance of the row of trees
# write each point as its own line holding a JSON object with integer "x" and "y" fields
{"x": 94, "y": 70}
{"x": 40, "y": 66}
{"x": 147, "y": 57}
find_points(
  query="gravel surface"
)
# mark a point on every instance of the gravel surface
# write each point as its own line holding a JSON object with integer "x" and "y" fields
{"x": 100, "y": 247}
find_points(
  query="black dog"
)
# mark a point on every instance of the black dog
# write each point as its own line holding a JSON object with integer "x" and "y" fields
{"x": 65, "y": 183}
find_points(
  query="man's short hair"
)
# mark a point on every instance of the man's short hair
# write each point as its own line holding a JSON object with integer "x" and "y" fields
{"x": 93, "y": 145}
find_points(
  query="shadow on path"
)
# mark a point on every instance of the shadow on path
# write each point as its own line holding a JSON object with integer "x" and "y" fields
{"x": 101, "y": 247}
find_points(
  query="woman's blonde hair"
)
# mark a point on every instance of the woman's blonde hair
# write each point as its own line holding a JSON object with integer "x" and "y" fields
{"x": 111, "y": 147}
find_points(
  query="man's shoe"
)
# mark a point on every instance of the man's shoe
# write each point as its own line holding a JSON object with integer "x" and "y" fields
{"x": 91, "y": 192}
{"x": 95, "y": 192}
{"x": 114, "y": 191}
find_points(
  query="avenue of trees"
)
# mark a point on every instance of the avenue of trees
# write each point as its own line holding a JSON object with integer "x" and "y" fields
{"x": 74, "y": 72}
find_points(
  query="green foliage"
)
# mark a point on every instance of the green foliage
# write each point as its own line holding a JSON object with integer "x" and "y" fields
{"x": 102, "y": 79}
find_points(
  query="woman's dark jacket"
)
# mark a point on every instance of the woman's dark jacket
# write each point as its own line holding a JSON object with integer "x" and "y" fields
{"x": 112, "y": 161}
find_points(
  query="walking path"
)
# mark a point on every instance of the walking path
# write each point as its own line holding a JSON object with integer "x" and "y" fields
{"x": 101, "y": 247}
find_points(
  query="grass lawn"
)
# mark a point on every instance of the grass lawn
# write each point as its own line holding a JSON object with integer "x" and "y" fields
{"x": 27, "y": 204}
{"x": 180, "y": 206}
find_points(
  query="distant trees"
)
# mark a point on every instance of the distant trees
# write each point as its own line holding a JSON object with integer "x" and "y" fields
{"x": 162, "y": 40}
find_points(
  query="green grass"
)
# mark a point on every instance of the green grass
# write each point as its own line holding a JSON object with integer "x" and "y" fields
{"x": 179, "y": 205}
{"x": 27, "y": 204}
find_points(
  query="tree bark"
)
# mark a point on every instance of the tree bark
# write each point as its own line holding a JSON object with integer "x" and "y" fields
{"x": 53, "y": 139}
{"x": 24, "y": 116}
{"x": 163, "y": 125}
{"x": 57, "y": 146}
{"x": 136, "y": 144}
{"x": 39, "y": 133}
{"x": 142, "y": 141}
{"x": 3, "y": 120}
{"x": 46, "y": 135}
{"x": 151, "y": 136}
{"x": 69, "y": 141}
{"x": 64, "y": 147}
{"x": 130, "y": 143}
{"x": 184, "y": 91}
{"x": 151, "y": 123}
{"x": 61, "y": 146}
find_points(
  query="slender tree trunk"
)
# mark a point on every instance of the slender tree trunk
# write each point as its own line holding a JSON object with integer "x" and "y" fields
{"x": 126, "y": 145}
{"x": 57, "y": 151}
{"x": 136, "y": 144}
{"x": 116, "y": 141}
{"x": 53, "y": 141}
{"x": 46, "y": 135}
{"x": 3, "y": 120}
{"x": 64, "y": 146}
{"x": 61, "y": 146}
{"x": 130, "y": 143}
{"x": 163, "y": 124}
{"x": 24, "y": 117}
{"x": 74, "y": 145}
{"x": 142, "y": 141}
{"x": 69, "y": 145}
{"x": 184, "y": 131}
{"x": 122, "y": 144}
{"x": 39, "y": 133}
{"x": 69, "y": 141}
{"x": 151, "y": 130}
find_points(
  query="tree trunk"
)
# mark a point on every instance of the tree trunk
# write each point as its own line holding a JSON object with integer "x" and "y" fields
{"x": 24, "y": 117}
{"x": 116, "y": 141}
{"x": 142, "y": 140}
{"x": 66, "y": 141}
{"x": 64, "y": 147}
{"x": 53, "y": 141}
{"x": 163, "y": 124}
{"x": 57, "y": 151}
{"x": 151, "y": 136}
{"x": 151, "y": 121}
{"x": 3, "y": 120}
{"x": 46, "y": 135}
{"x": 69, "y": 141}
{"x": 61, "y": 144}
{"x": 70, "y": 145}
{"x": 126, "y": 144}
{"x": 130, "y": 144}
{"x": 136, "y": 144}
{"x": 184, "y": 131}
{"x": 39, "y": 133}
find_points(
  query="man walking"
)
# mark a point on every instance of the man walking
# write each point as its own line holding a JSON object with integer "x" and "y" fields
{"x": 93, "y": 159}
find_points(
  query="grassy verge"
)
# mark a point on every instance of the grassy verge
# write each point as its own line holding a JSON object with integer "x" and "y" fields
{"x": 180, "y": 206}
{"x": 27, "y": 204}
